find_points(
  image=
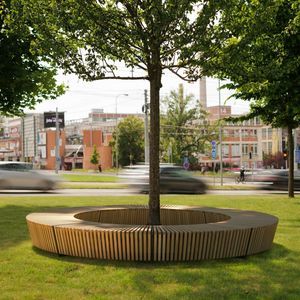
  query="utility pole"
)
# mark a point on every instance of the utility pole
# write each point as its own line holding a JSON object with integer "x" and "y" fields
{"x": 220, "y": 137}
{"x": 117, "y": 132}
{"x": 146, "y": 131}
{"x": 57, "y": 158}
{"x": 91, "y": 135}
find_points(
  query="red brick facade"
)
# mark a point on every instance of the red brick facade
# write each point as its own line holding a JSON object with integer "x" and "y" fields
{"x": 51, "y": 137}
{"x": 101, "y": 141}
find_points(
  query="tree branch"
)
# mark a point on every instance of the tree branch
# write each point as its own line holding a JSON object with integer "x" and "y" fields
{"x": 118, "y": 77}
{"x": 185, "y": 78}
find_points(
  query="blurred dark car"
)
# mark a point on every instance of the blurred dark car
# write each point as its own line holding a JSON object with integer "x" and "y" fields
{"x": 178, "y": 180}
{"x": 173, "y": 179}
{"x": 16, "y": 175}
{"x": 277, "y": 179}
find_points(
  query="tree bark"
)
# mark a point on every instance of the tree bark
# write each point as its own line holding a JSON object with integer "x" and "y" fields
{"x": 155, "y": 74}
{"x": 291, "y": 162}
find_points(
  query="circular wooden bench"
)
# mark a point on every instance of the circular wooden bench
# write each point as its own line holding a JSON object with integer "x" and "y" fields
{"x": 121, "y": 233}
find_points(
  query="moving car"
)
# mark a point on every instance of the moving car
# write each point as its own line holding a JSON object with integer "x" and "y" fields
{"x": 15, "y": 175}
{"x": 173, "y": 179}
{"x": 277, "y": 179}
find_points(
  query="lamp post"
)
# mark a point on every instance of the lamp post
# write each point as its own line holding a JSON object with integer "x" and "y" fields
{"x": 91, "y": 135}
{"x": 117, "y": 131}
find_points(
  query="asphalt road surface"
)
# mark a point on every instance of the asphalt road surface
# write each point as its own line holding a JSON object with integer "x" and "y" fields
{"x": 122, "y": 192}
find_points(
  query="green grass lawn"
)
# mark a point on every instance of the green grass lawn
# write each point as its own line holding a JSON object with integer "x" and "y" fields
{"x": 88, "y": 178}
{"x": 29, "y": 273}
{"x": 91, "y": 185}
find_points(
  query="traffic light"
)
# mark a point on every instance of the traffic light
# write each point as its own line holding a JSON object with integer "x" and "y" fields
{"x": 285, "y": 154}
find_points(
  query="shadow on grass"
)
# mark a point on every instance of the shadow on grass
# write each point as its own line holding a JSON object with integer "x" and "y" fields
{"x": 13, "y": 226}
{"x": 277, "y": 251}
{"x": 270, "y": 275}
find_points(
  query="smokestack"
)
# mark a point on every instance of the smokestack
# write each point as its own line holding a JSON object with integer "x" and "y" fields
{"x": 203, "y": 95}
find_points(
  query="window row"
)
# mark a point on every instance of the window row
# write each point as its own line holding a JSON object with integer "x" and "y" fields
{"x": 235, "y": 149}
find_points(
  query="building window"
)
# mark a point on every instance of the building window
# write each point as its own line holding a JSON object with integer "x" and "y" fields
{"x": 250, "y": 132}
{"x": 257, "y": 121}
{"x": 270, "y": 130}
{"x": 264, "y": 133}
{"x": 226, "y": 133}
{"x": 236, "y": 133}
{"x": 269, "y": 147}
{"x": 264, "y": 147}
{"x": 235, "y": 150}
{"x": 253, "y": 149}
{"x": 244, "y": 132}
{"x": 244, "y": 149}
{"x": 225, "y": 150}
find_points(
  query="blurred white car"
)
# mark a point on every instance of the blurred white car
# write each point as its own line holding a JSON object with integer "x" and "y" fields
{"x": 15, "y": 175}
{"x": 277, "y": 179}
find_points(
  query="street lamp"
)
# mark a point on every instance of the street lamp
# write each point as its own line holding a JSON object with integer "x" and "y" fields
{"x": 117, "y": 131}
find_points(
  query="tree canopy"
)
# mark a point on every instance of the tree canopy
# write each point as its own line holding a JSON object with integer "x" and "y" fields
{"x": 184, "y": 129}
{"x": 25, "y": 76}
{"x": 95, "y": 156}
{"x": 255, "y": 44}
{"x": 91, "y": 38}
{"x": 130, "y": 141}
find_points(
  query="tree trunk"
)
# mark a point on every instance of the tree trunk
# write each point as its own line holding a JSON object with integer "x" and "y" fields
{"x": 154, "y": 192}
{"x": 155, "y": 73}
{"x": 291, "y": 162}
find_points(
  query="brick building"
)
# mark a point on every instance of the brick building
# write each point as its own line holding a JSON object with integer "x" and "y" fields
{"x": 96, "y": 138}
{"x": 10, "y": 139}
{"x": 26, "y": 139}
{"x": 246, "y": 143}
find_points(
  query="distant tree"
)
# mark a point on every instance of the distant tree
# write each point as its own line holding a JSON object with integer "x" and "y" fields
{"x": 25, "y": 76}
{"x": 184, "y": 127}
{"x": 130, "y": 141}
{"x": 95, "y": 156}
{"x": 255, "y": 44}
{"x": 274, "y": 160}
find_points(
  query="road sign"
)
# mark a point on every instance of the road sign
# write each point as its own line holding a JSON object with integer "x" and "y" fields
{"x": 213, "y": 153}
{"x": 186, "y": 163}
{"x": 213, "y": 150}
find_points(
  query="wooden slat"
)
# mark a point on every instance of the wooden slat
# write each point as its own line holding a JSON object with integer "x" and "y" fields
{"x": 121, "y": 233}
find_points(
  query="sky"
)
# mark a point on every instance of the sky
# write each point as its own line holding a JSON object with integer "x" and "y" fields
{"x": 81, "y": 97}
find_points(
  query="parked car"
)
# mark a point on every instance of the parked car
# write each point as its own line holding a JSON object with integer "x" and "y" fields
{"x": 277, "y": 179}
{"x": 173, "y": 179}
{"x": 16, "y": 175}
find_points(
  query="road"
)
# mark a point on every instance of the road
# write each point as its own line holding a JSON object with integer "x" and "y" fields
{"x": 123, "y": 192}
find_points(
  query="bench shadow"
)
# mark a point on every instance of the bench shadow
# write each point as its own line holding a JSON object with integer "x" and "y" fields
{"x": 277, "y": 251}
{"x": 273, "y": 266}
